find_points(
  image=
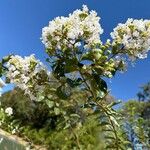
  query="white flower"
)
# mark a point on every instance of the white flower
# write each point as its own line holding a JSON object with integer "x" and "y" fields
{"x": 78, "y": 44}
{"x": 25, "y": 72}
{"x": 85, "y": 8}
{"x": 64, "y": 31}
{"x": 9, "y": 111}
{"x": 108, "y": 73}
{"x": 134, "y": 35}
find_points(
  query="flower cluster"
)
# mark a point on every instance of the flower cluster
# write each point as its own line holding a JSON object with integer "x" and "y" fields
{"x": 28, "y": 74}
{"x": 68, "y": 32}
{"x": 6, "y": 120}
{"x": 9, "y": 111}
{"x": 134, "y": 36}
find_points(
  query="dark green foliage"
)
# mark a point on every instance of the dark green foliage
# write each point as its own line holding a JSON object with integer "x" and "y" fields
{"x": 86, "y": 137}
{"x": 25, "y": 110}
{"x": 40, "y": 127}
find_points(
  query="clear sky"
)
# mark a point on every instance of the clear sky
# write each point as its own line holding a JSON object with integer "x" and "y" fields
{"x": 21, "y": 22}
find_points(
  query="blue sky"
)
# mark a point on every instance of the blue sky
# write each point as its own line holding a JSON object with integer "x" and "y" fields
{"x": 21, "y": 22}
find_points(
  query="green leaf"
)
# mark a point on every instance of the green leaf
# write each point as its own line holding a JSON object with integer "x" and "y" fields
{"x": 114, "y": 120}
{"x": 99, "y": 70}
{"x": 6, "y": 59}
{"x": 83, "y": 15}
{"x": 75, "y": 115}
{"x": 50, "y": 103}
{"x": 87, "y": 56}
{"x": 70, "y": 65}
{"x": 98, "y": 85}
{"x": 57, "y": 111}
{"x": 110, "y": 137}
{"x": 114, "y": 103}
{"x": 62, "y": 92}
{"x": 74, "y": 83}
{"x": 67, "y": 126}
{"x": 40, "y": 97}
{"x": 111, "y": 147}
{"x": 104, "y": 123}
{"x": 58, "y": 70}
{"x": 101, "y": 83}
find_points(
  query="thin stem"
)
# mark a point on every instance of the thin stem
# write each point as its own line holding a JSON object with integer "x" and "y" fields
{"x": 88, "y": 87}
{"x": 113, "y": 55}
{"x": 103, "y": 108}
{"x": 76, "y": 137}
{"x": 99, "y": 104}
{"x": 111, "y": 122}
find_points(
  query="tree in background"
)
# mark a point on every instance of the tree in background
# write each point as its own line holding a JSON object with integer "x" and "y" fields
{"x": 137, "y": 118}
{"x": 136, "y": 125}
{"x": 144, "y": 95}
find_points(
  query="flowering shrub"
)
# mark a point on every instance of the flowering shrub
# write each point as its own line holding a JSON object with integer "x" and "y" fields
{"x": 137, "y": 122}
{"x": 79, "y": 61}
